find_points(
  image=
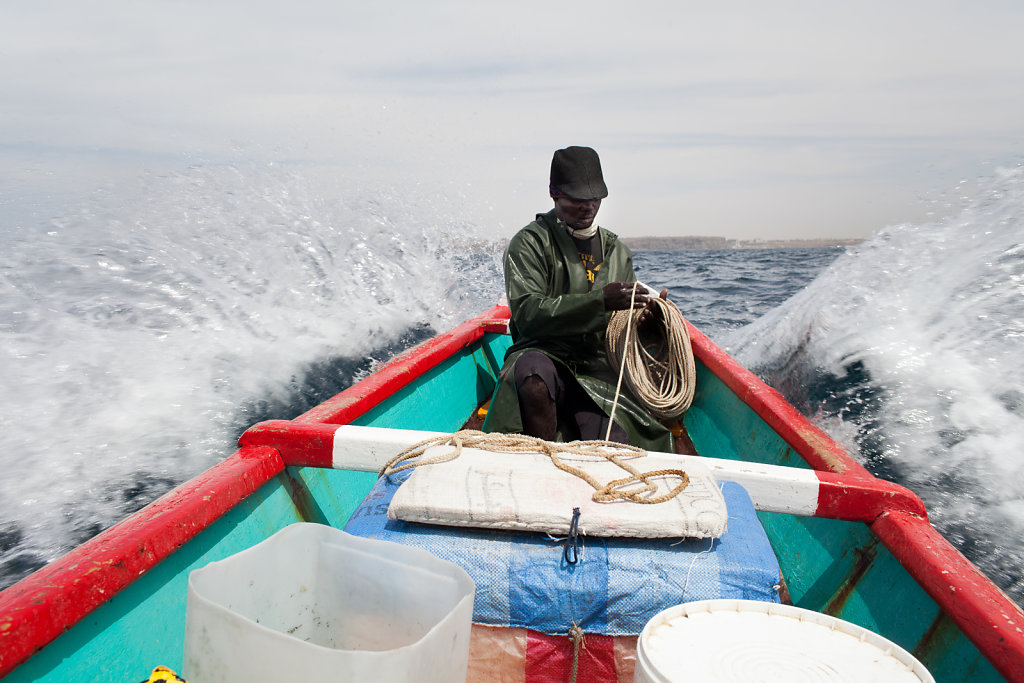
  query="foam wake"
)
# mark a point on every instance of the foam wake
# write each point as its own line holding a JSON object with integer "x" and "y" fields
{"x": 907, "y": 348}
{"x": 144, "y": 331}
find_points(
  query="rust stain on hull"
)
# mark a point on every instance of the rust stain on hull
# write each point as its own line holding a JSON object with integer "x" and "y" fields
{"x": 865, "y": 557}
{"x": 301, "y": 498}
{"x": 934, "y": 635}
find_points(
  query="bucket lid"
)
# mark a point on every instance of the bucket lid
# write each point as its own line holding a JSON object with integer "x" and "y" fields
{"x": 745, "y": 640}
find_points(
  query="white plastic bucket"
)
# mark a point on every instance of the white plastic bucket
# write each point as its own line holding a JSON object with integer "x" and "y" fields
{"x": 746, "y": 640}
{"x": 313, "y": 603}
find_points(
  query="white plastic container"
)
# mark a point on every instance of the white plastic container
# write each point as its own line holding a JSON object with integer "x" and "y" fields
{"x": 313, "y": 603}
{"x": 746, "y": 640}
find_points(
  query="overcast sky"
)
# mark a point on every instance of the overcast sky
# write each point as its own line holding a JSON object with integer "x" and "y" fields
{"x": 741, "y": 119}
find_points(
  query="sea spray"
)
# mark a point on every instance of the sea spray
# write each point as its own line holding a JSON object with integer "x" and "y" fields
{"x": 143, "y": 331}
{"x": 908, "y": 349}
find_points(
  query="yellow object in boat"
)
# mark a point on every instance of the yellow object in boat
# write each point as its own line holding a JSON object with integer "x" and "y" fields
{"x": 162, "y": 673}
{"x": 482, "y": 410}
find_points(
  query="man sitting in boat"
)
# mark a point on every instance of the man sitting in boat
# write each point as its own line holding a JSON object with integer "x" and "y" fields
{"x": 564, "y": 275}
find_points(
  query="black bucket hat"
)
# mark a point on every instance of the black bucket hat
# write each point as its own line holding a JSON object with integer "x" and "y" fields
{"x": 576, "y": 173}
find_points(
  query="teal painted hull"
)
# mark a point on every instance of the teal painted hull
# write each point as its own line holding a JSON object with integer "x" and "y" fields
{"x": 836, "y": 567}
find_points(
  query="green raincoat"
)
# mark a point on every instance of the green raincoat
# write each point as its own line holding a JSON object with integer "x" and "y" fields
{"x": 555, "y": 310}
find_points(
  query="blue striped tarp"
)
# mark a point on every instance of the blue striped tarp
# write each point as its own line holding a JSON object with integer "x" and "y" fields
{"x": 523, "y": 581}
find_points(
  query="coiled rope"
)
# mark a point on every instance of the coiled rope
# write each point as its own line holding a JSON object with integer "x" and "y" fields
{"x": 661, "y": 379}
{"x": 637, "y": 487}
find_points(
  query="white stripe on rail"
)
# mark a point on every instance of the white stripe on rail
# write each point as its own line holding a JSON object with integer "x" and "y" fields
{"x": 772, "y": 488}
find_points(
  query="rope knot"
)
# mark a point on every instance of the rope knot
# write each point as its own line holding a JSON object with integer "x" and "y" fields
{"x": 579, "y": 641}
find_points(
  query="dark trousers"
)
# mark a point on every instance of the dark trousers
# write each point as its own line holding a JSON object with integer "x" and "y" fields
{"x": 575, "y": 407}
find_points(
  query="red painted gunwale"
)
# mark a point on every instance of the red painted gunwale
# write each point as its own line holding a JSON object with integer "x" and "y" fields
{"x": 45, "y": 604}
{"x": 42, "y": 606}
{"x": 816, "y": 447}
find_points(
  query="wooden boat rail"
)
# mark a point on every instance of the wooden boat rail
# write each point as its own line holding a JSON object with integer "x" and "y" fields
{"x": 47, "y": 603}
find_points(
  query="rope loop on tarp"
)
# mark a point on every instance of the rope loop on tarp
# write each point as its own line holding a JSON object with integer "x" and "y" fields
{"x": 636, "y": 487}
{"x": 579, "y": 641}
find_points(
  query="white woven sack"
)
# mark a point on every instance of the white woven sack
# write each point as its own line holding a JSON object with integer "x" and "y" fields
{"x": 527, "y": 492}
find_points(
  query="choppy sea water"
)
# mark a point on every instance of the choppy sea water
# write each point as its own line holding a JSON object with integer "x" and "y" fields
{"x": 142, "y": 332}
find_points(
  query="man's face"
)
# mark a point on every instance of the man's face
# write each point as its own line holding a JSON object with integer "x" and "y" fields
{"x": 578, "y": 214}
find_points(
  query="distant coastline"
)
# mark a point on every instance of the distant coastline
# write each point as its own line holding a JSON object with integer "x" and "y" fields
{"x": 653, "y": 243}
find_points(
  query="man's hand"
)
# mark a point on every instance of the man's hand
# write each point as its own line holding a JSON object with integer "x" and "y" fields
{"x": 651, "y": 313}
{"x": 617, "y": 296}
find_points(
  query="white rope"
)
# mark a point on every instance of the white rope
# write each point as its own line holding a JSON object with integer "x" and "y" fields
{"x": 662, "y": 381}
{"x": 622, "y": 366}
